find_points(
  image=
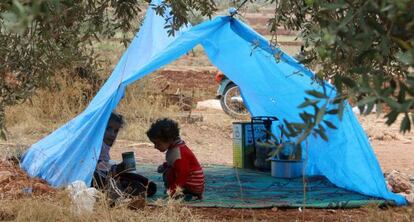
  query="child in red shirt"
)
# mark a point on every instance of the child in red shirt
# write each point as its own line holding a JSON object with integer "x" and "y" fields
{"x": 181, "y": 168}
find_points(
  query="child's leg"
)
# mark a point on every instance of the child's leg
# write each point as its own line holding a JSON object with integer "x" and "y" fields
{"x": 135, "y": 184}
{"x": 98, "y": 181}
{"x": 190, "y": 194}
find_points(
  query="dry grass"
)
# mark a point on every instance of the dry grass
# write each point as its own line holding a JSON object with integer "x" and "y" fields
{"x": 50, "y": 108}
{"x": 12, "y": 150}
{"x": 400, "y": 214}
{"x": 140, "y": 106}
{"x": 61, "y": 208}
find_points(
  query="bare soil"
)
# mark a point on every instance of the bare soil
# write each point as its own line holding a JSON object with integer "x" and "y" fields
{"x": 17, "y": 184}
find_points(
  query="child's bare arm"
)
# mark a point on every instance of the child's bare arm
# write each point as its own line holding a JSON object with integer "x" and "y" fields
{"x": 161, "y": 168}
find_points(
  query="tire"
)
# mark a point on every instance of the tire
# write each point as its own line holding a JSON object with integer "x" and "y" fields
{"x": 233, "y": 107}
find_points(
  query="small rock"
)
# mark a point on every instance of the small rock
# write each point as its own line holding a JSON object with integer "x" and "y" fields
{"x": 209, "y": 104}
{"x": 409, "y": 197}
{"x": 399, "y": 182}
{"x": 204, "y": 127}
{"x": 274, "y": 209}
{"x": 136, "y": 204}
{"x": 41, "y": 188}
{"x": 387, "y": 137}
{"x": 4, "y": 175}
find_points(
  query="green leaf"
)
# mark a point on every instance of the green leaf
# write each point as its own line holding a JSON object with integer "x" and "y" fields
{"x": 379, "y": 109}
{"x": 369, "y": 108}
{"x": 298, "y": 126}
{"x": 19, "y": 7}
{"x": 341, "y": 111}
{"x": 322, "y": 134}
{"x": 392, "y": 103}
{"x": 309, "y": 2}
{"x": 330, "y": 125}
{"x": 316, "y": 94}
{"x": 401, "y": 93}
{"x": 306, "y": 117}
{"x": 405, "y": 124}
{"x": 403, "y": 44}
{"x": 3, "y": 134}
{"x": 332, "y": 111}
{"x": 308, "y": 102}
{"x": 367, "y": 100}
{"x": 348, "y": 82}
{"x": 290, "y": 129}
{"x": 407, "y": 106}
{"x": 303, "y": 136}
{"x": 391, "y": 117}
{"x": 320, "y": 115}
{"x": 333, "y": 6}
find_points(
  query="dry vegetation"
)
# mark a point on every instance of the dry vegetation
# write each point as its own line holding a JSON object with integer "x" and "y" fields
{"x": 60, "y": 208}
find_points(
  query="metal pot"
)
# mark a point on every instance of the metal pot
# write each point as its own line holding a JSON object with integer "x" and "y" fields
{"x": 286, "y": 168}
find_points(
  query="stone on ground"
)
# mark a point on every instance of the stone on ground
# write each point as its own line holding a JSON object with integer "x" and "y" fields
{"x": 209, "y": 104}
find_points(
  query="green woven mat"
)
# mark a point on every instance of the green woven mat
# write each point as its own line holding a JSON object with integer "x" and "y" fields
{"x": 241, "y": 188}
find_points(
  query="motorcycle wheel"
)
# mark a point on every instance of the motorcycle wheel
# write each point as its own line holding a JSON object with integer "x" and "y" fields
{"x": 232, "y": 103}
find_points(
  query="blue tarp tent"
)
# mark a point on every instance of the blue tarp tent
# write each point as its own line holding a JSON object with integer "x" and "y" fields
{"x": 269, "y": 88}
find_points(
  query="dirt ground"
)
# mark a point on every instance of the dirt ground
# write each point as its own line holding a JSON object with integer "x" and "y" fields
{"x": 15, "y": 183}
{"x": 395, "y": 151}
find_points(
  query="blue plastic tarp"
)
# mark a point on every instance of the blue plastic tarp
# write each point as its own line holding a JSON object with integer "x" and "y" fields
{"x": 70, "y": 153}
{"x": 269, "y": 86}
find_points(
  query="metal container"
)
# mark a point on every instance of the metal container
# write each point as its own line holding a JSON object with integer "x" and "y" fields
{"x": 263, "y": 150}
{"x": 243, "y": 149}
{"x": 128, "y": 159}
{"x": 286, "y": 168}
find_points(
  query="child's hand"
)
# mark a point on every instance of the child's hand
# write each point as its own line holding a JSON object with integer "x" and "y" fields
{"x": 117, "y": 169}
{"x": 161, "y": 168}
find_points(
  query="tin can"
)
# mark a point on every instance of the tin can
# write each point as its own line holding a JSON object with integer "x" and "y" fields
{"x": 128, "y": 159}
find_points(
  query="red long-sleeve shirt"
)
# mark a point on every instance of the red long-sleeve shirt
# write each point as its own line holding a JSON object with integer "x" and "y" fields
{"x": 184, "y": 170}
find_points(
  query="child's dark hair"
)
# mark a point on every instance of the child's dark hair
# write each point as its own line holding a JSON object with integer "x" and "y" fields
{"x": 117, "y": 118}
{"x": 164, "y": 129}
